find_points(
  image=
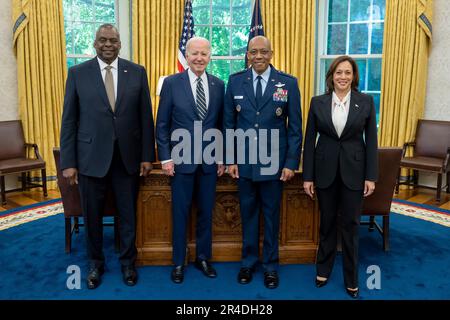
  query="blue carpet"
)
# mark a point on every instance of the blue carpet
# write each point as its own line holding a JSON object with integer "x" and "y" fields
{"x": 33, "y": 265}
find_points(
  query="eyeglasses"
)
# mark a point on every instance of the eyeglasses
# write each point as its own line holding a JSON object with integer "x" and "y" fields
{"x": 263, "y": 52}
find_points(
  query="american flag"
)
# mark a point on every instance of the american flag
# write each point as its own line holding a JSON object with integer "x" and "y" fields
{"x": 186, "y": 33}
{"x": 256, "y": 27}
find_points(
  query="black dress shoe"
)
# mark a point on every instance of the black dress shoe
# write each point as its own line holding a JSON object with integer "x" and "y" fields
{"x": 206, "y": 268}
{"x": 352, "y": 293}
{"x": 271, "y": 279}
{"x": 129, "y": 275}
{"x": 177, "y": 274}
{"x": 245, "y": 275}
{"x": 94, "y": 277}
{"x": 321, "y": 283}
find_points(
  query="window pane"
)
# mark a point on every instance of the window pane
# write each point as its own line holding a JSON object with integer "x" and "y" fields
{"x": 221, "y": 12}
{"x": 337, "y": 38}
{"x": 69, "y": 37}
{"x": 237, "y": 65}
{"x": 202, "y": 32}
{"x": 359, "y": 10}
{"x": 362, "y": 73}
{"x": 374, "y": 76}
{"x": 200, "y": 11}
{"x": 377, "y": 38}
{"x": 337, "y": 10}
{"x": 83, "y": 38}
{"x": 220, "y": 68}
{"x": 239, "y": 41}
{"x": 378, "y": 10}
{"x": 80, "y": 60}
{"x": 220, "y": 41}
{"x": 70, "y": 62}
{"x": 359, "y": 37}
{"x": 67, "y": 9}
{"x": 376, "y": 100}
{"x": 82, "y": 10}
{"x": 104, "y": 11}
{"x": 242, "y": 12}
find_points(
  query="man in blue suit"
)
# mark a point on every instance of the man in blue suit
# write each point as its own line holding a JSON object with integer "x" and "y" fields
{"x": 107, "y": 140}
{"x": 266, "y": 102}
{"x": 190, "y": 101}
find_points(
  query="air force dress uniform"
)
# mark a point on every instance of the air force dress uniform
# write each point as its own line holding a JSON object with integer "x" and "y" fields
{"x": 278, "y": 107}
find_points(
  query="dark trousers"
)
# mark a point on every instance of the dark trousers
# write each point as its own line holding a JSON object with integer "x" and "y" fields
{"x": 332, "y": 200}
{"x": 185, "y": 187}
{"x": 254, "y": 197}
{"x": 93, "y": 193}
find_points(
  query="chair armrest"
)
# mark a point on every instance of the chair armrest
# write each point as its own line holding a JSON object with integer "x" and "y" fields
{"x": 36, "y": 149}
{"x": 406, "y": 145}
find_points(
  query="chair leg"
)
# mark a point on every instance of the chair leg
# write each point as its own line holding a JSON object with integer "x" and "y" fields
{"x": 415, "y": 177}
{"x": 448, "y": 182}
{"x": 2, "y": 187}
{"x": 44, "y": 182}
{"x": 439, "y": 187}
{"x": 397, "y": 185}
{"x": 386, "y": 233}
{"x": 24, "y": 181}
{"x": 116, "y": 234}
{"x": 68, "y": 224}
{"x": 371, "y": 223}
{"x": 76, "y": 224}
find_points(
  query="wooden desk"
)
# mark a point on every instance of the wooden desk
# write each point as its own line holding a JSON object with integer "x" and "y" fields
{"x": 299, "y": 223}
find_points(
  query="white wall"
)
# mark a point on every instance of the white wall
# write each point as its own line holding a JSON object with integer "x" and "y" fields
{"x": 437, "y": 105}
{"x": 8, "y": 74}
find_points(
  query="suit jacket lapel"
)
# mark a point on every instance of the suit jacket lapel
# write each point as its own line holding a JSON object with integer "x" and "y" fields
{"x": 188, "y": 91}
{"x": 354, "y": 110}
{"x": 326, "y": 112}
{"x": 122, "y": 80}
{"x": 212, "y": 94}
{"x": 97, "y": 80}
{"x": 248, "y": 87}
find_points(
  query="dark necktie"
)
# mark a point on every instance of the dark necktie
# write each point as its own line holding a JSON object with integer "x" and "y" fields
{"x": 259, "y": 92}
{"x": 201, "y": 100}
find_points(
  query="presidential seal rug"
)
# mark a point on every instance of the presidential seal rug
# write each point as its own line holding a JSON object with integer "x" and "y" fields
{"x": 21, "y": 215}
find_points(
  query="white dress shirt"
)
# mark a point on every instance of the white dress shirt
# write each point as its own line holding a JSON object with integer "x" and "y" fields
{"x": 265, "y": 79}
{"x": 114, "y": 70}
{"x": 193, "y": 81}
{"x": 339, "y": 112}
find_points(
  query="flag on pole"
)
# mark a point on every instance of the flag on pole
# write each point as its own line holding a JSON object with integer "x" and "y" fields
{"x": 256, "y": 27}
{"x": 186, "y": 33}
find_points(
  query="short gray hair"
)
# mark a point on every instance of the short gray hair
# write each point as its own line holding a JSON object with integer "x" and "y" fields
{"x": 193, "y": 39}
{"x": 107, "y": 26}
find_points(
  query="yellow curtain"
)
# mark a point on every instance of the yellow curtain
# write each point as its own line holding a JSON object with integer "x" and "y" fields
{"x": 290, "y": 26}
{"x": 39, "y": 45}
{"x": 407, "y": 41}
{"x": 156, "y": 30}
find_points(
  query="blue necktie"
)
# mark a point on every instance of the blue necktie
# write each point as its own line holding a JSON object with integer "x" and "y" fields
{"x": 259, "y": 94}
{"x": 201, "y": 100}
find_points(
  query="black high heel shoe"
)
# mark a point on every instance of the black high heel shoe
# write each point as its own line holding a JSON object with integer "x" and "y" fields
{"x": 321, "y": 283}
{"x": 352, "y": 293}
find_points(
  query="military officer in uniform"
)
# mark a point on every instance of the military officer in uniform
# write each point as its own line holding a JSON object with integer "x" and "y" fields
{"x": 264, "y": 101}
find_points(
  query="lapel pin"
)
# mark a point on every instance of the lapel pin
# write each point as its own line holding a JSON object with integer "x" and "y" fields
{"x": 125, "y": 70}
{"x": 356, "y": 106}
{"x": 212, "y": 83}
{"x": 273, "y": 80}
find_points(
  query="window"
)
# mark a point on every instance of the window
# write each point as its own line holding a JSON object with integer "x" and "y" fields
{"x": 226, "y": 24}
{"x": 81, "y": 20}
{"x": 355, "y": 28}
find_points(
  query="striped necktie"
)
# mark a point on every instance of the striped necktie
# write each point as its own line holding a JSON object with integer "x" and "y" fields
{"x": 201, "y": 100}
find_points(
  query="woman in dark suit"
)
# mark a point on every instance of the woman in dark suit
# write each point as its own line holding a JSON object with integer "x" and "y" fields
{"x": 342, "y": 166}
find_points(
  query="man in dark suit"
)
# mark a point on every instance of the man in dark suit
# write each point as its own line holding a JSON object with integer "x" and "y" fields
{"x": 262, "y": 98}
{"x": 107, "y": 140}
{"x": 191, "y": 102}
